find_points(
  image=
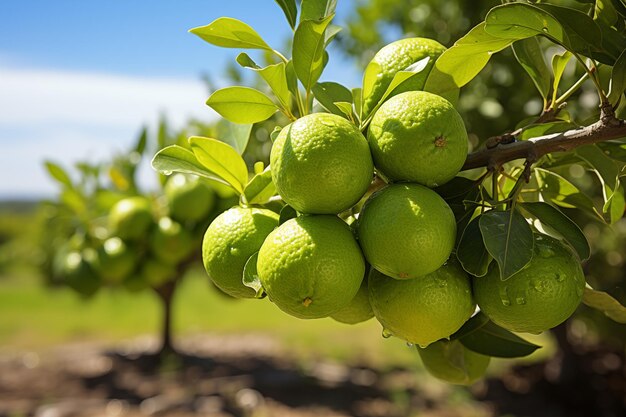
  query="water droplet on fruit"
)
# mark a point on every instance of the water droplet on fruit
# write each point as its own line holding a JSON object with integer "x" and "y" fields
{"x": 520, "y": 300}
{"x": 167, "y": 172}
{"x": 579, "y": 291}
{"x": 234, "y": 251}
{"x": 387, "y": 333}
{"x": 504, "y": 296}
{"x": 559, "y": 277}
{"x": 442, "y": 283}
{"x": 539, "y": 285}
{"x": 409, "y": 344}
{"x": 545, "y": 29}
{"x": 422, "y": 346}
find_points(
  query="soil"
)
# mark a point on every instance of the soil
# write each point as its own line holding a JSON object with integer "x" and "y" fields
{"x": 253, "y": 376}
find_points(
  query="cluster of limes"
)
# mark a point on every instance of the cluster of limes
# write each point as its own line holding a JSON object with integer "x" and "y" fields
{"x": 141, "y": 243}
{"x": 351, "y": 254}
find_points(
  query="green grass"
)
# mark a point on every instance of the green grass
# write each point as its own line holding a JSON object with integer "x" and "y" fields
{"x": 35, "y": 317}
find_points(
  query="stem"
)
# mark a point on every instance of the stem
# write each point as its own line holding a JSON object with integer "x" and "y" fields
{"x": 166, "y": 293}
{"x": 593, "y": 76}
{"x": 281, "y": 56}
{"x": 570, "y": 91}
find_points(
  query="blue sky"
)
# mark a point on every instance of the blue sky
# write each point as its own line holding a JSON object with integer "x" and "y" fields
{"x": 79, "y": 78}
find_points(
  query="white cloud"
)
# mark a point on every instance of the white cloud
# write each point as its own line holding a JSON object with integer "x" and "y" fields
{"x": 66, "y": 116}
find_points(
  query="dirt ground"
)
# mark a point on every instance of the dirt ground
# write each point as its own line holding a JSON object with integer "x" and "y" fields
{"x": 252, "y": 376}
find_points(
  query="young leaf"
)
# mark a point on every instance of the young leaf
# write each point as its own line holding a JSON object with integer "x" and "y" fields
{"x": 606, "y": 169}
{"x": 492, "y": 340}
{"x": 308, "y": 50}
{"x": 287, "y": 213}
{"x": 618, "y": 79}
{"x": 345, "y": 108}
{"x": 275, "y": 77}
{"x": 230, "y": 33}
{"x": 404, "y": 76}
{"x": 220, "y": 159}
{"x": 581, "y": 32}
{"x": 330, "y": 92}
{"x": 554, "y": 218}
{"x": 175, "y": 158}
{"x": 234, "y": 134}
{"x": 58, "y": 173}
{"x": 357, "y": 99}
{"x": 140, "y": 146}
{"x": 559, "y": 62}
{"x": 317, "y": 9}
{"x": 605, "y": 12}
{"x": 242, "y": 104}
{"x": 615, "y": 203}
{"x": 462, "y": 62}
{"x": 472, "y": 253}
{"x": 563, "y": 193}
{"x": 275, "y": 133}
{"x": 260, "y": 188}
{"x": 251, "y": 277}
{"x": 529, "y": 55}
{"x": 290, "y": 10}
{"x": 602, "y": 301}
{"x": 521, "y": 20}
{"x": 509, "y": 239}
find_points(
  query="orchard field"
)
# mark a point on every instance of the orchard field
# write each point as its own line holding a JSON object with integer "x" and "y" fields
{"x": 355, "y": 208}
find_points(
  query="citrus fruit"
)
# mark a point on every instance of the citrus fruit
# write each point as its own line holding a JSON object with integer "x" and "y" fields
{"x": 539, "y": 297}
{"x": 359, "y": 309}
{"x": 78, "y": 273}
{"x": 406, "y": 230}
{"x": 311, "y": 266}
{"x": 115, "y": 260}
{"x": 189, "y": 199}
{"x": 452, "y": 362}
{"x": 419, "y": 137}
{"x": 425, "y": 309}
{"x": 231, "y": 239}
{"x": 130, "y": 218}
{"x": 156, "y": 272}
{"x": 321, "y": 163}
{"x": 397, "y": 56}
{"x": 170, "y": 241}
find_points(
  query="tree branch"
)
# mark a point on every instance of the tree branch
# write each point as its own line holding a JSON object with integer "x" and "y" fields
{"x": 532, "y": 149}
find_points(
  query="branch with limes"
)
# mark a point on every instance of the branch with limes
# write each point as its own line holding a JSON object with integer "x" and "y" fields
{"x": 364, "y": 211}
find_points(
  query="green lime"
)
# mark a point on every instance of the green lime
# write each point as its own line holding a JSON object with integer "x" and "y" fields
{"x": 452, "y": 362}
{"x": 395, "y": 57}
{"x": 359, "y": 309}
{"x": 419, "y": 137}
{"x": 321, "y": 163}
{"x": 311, "y": 266}
{"x": 170, "y": 241}
{"x": 156, "y": 272}
{"x": 406, "y": 230}
{"x": 115, "y": 261}
{"x": 189, "y": 198}
{"x": 78, "y": 272}
{"x": 131, "y": 218}
{"x": 425, "y": 309}
{"x": 231, "y": 239}
{"x": 539, "y": 297}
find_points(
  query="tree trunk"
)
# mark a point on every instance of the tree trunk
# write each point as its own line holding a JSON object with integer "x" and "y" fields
{"x": 166, "y": 295}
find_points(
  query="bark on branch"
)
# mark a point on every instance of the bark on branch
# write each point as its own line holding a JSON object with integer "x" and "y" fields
{"x": 532, "y": 149}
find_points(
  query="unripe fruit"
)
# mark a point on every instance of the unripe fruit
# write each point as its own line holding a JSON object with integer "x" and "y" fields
{"x": 131, "y": 218}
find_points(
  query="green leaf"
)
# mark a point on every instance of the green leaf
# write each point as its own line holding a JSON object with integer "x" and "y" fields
{"x": 331, "y": 33}
{"x": 230, "y": 33}
{"x": 614, "y": 150}
{"x": 317, "y": 9}
{"x": 519, "y": 21}
{"x": 563, "y": 193}
{"x": 234, "y": 134}
{"x": 581, "y": 32}
{"x": 287, "y": 213}
{"x": 275, "y": 133}
{"x": 220, "y": 159}
{"x": 529, "y": 55}
{"x": 175, "y": 158}
{"x": 618, "y": 79}
{"x": 472, "y": 253}
{"x": 615, "y": 203}
{"x": 260, "y": 188}
{"x": 292, "y": 78}
{"x": 275, "y": 77}
{"x": 534, "y": 131}
{"x": 606, "y": 169}
{"x": 357, "y": 99}
{"x": 327, "y": 93}
{"x": 162, "y": 133}
{"x": 290, "y": 10}
{"x": 563, "y": 225}
{"x": 559, "y": 62}
{"x": 462, "y": 62}
{"x": 602, "y": 301}
{"x": 345, "y": 108}
{"x": 405, "y": 75}
{"x": 251, "y": 277}
{"x": 308, "y": 50}
{"x": 140, "y": 146}
{"x": 58, "y": 174}
{"x": 481, "y": 335}
{"x": 242, "y": 104}
{"x": 605, "y": 12}
{"x": 509, "y": 239}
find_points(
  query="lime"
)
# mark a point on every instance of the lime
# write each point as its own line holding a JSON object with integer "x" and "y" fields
{"x": 419, "y": 137}
{"x": 115, "y": 260}
{"x": 321, "y": 163}
{"x": 156, "y": 272}
{"x": 170, "y": 241}
{"x": 311, "y": 266}
{"x": 359, "y": 309}
{"x": 454, "y": 363}
{"x": 406, "y": 230}
{"x": 539, "y": 297}
{"x": 189, "y": 199}
{"x": 231, "y": 239}
{"x": 397, "y": 56}
{"x": 78, "y": 273}
{"x": 130, "y": 218}
{"x": 425, "y": 309}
